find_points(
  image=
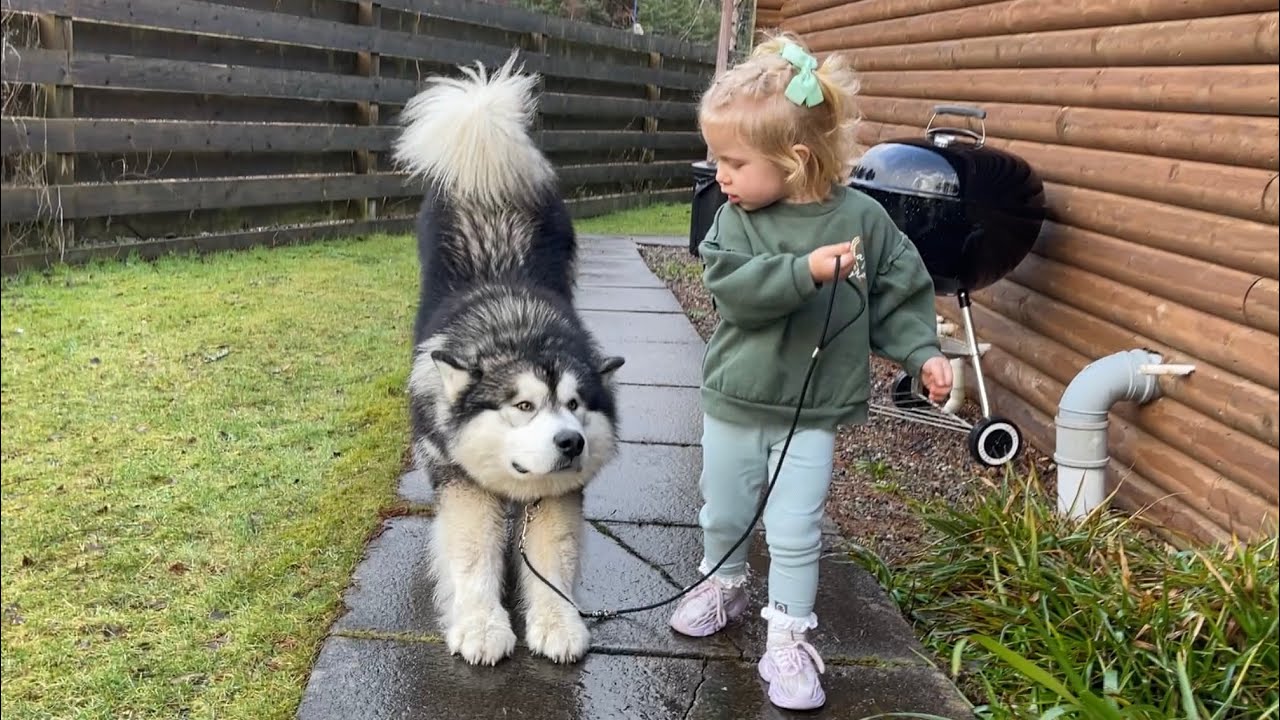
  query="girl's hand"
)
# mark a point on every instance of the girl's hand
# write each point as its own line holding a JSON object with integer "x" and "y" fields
{"x": 822, "y": 262}
{"x": 935, "y": 375}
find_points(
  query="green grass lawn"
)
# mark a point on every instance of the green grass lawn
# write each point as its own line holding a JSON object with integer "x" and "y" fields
{"x": 662, "y": 219}
{"x": 195, "y": 452}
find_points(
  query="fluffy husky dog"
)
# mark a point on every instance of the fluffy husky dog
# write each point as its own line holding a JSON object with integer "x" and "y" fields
{"x": 511, "y": 400}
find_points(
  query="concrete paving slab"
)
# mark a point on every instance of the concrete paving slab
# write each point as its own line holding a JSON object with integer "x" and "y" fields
{"x": 590, "y": 251}
{"x": 610, "y": 271}
{"x": 654, "y": 300}
{"x": 664, "y": 240}
{"x": 364, "y": 679}
{"x": 734, "y": 691}
{"x": 648, "y": 484}
{"x": 390, "y": 593}
{"x": 415, "y": 487}
{"x": 856, "y": 620}
{"x": 670, "y": 415}
{"x": 656, "y": 364}
{"x": 669, "y": 328}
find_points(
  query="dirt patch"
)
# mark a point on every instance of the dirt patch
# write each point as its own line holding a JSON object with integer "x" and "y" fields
{"x": 881, "y": 466}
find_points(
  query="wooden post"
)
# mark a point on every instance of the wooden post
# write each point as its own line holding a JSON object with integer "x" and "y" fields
{"x": 367, "y": 65}
{"x": 537, "y": 43}
{"x": 725, "y": 38}
{"x": 653, "y": 93}
{"x": 57, "y": 101}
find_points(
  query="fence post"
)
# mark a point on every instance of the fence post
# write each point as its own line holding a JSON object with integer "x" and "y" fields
{"x": 57, "y": 101}
{"x": 537, "y": 43}
{"x": 654, "y": 94}
{"x": 367, "y": 65}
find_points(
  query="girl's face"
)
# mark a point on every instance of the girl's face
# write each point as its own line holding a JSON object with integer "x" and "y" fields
{"x": 745, "y": 176}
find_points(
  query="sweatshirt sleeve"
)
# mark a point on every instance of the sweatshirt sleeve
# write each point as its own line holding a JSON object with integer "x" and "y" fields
{"x": 751, "y": 291}
{"x": 901, "y": 299}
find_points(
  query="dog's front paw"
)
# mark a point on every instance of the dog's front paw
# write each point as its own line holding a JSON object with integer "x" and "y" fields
{"x": 560, "y": 636}
{"x": 481, "y": 638}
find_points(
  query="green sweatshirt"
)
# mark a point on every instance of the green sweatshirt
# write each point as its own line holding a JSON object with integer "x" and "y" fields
{"x": 756, "y": 268}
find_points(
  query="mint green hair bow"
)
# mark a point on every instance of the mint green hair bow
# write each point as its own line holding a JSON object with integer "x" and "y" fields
{"x": 804, "y": 88}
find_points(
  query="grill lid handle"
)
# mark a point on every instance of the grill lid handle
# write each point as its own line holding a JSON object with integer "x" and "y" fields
{"x": 944, "y": 136}
{"x": 963, "y": 110}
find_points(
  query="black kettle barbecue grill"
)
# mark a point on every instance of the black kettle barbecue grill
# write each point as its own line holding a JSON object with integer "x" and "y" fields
{"x": 973, "y": 213}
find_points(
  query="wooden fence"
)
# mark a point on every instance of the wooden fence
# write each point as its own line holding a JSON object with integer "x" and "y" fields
{"x": 157, "y": 125}
{"x": 1154, "y": 125}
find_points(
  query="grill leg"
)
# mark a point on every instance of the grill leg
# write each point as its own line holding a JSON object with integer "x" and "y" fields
{"x": 962, "y": 297}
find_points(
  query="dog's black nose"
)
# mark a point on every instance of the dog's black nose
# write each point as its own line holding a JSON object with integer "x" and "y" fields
{"x": 570, "y": 443}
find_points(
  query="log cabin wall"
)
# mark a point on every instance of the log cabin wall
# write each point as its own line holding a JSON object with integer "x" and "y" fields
{"x": 1154, "y": 126}
{"x": 768, "y": 14}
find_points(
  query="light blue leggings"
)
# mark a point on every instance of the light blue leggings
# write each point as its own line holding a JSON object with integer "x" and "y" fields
{"x": 737, "y": 463}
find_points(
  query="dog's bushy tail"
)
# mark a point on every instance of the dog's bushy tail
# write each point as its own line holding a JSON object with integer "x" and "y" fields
{"x": 470, "y": 136}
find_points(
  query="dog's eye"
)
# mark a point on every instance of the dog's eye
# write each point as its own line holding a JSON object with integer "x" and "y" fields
{"x": 524, "y": 406}
{"x": 572, "y": 405}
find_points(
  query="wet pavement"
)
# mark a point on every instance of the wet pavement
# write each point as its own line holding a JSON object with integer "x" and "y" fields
{"x": 384, "y": 657}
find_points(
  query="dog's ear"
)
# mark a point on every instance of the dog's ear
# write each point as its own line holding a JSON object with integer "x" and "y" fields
{"x": 455, "y": 376}
{"x": 609, "y": 365}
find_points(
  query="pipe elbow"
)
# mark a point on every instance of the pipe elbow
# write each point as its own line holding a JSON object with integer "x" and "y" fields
{"x": 1081, "y": 424}
{"x": 1107, "y": 381}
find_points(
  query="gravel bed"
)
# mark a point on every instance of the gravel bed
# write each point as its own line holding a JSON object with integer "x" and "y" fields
{"x": 881, "y": 466}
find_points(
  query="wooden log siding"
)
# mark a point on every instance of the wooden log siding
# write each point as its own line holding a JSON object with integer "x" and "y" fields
{"x": 593, "y": 124}
{"x": 1154, "y": 126}
{"x": 1016, "y": 17}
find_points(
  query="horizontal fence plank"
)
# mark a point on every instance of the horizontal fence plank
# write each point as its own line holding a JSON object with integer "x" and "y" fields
{"x": 1231, "y": 40}
{"x": 199, "y": 244}
{"x": 69, "y": 202}
{"x": 562, "y": 140}
{"x": 1221, "y": 89}
{"x": 207, "y": 18}
{"x": 101, "y": 70}
{"x": 578, "y": 175}
{"x": 87, "y": 135}
{"x": 514, "y": 19}
{"x": 601, "y": 106}
{"x": 24, "y": 204}
{"x": 138, "y": 73}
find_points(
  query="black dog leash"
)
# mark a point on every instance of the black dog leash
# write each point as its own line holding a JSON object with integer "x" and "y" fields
{"x": 823, "y": 341}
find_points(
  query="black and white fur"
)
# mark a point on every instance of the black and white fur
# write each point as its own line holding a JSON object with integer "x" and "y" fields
{"x": 510, "y": 397}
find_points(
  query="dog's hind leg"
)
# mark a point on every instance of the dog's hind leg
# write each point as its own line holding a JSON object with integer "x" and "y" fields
{"x": 552, "y": 542}
{"x": 467, "y": 555}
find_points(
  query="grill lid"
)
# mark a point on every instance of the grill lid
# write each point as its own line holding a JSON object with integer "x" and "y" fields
{"x": 950, "y": 163}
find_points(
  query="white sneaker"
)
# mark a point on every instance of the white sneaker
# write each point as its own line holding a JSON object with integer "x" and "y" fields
{"x": 791, "y": 665}
{"x": 710, "y": 607}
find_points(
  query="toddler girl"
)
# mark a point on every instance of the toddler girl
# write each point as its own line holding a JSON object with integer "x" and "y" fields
{"x": 781, "y": 130}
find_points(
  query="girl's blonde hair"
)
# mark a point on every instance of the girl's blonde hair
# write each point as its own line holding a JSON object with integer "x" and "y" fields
{"x": 750, "y": 99}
